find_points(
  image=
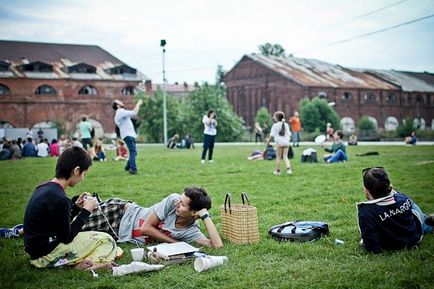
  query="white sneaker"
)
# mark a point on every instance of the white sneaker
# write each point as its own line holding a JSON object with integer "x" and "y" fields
{"x": 276, "y": 173}
{"x": 202, "y": 161}
{"x": 289, "y": 171}
{"x": 211, "y": 161}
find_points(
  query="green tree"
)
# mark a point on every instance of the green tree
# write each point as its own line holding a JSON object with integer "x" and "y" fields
{"x": 230, "y": 126}
{"x": 268, "y": 49}
{"x": 406, "y": 127}
{"x": 151, "y": 116}
{"x": 316, "y": 113}
{"x": 366, "y": 124}
{"x": 263, "y": 117}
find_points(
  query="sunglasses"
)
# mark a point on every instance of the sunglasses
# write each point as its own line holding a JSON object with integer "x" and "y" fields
{"x": 365, "y": 170}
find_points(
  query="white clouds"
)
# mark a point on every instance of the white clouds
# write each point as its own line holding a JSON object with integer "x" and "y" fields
{"x": 203, "y": 33}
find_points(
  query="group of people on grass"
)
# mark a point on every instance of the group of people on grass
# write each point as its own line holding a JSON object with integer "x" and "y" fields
{"x": 18, "y": 148}
{"x": 84, "y": 232}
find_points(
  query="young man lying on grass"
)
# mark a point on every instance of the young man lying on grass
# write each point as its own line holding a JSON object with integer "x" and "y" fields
{"x": 172, "y": 220}
{"x": 389, "y": 220}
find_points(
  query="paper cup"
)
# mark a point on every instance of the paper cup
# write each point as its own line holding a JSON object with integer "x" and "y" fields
{"x": 205, "y": 263}
{"x": 137, "y": 254}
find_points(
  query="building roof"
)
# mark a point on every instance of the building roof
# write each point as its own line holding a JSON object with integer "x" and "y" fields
{"x": 62, "y": 56}
{"x": 174, "y": 88}
{"x": 408, "y": 81}
{"x": 317, "y": 73}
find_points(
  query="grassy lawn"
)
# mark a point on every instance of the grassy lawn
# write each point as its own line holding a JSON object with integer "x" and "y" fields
{"x": 315, "y": 192}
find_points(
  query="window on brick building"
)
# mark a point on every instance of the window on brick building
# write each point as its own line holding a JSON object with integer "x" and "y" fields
{"x": 392, "y": 97}
{"x": 4, "y": 90}
{"x": 37, "y": 67}
{"x": 81, "y": 68}
{"x": 428, "y": 99}
{"x": 121, "y": 69}
{"x": 45, "y": 89}
{"x": 5, "y": 124}
{"x": 347, "y": 96}
{"x": 4, "y": 66}
{"x": 88, "y": 90}
{"x": 128, "y": 90}
{"x": 419, "y": 98}
{"x": 322, "y": 94}
{"x": 369, "y": 96}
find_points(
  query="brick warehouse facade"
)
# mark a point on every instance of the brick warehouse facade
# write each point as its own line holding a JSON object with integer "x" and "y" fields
{"x": 41, "y": 82}
{"x": 387, "y": 97}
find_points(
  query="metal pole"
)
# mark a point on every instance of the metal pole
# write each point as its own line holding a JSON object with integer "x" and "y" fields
{"x": 162, "y": 44}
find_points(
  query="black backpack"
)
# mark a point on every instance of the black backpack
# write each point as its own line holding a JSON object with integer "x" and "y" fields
{"x": 303, "y": 231}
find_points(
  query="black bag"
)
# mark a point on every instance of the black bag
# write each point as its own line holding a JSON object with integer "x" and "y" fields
{"x": 303, "y": 231}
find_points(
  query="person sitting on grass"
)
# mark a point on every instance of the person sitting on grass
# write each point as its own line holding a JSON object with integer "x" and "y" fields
{"x": 172, "y": 220}
{"x": 121, "y": 151}
{"x": 268, "y": 154}
{"x": 52, "y": 223}
{"x": 97, "y": 152}
{"x": 389, "y": 220}
{"x": 337, "y": 148}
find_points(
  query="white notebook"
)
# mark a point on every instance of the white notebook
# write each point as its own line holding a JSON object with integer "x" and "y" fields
{"x": 170, "y": 249}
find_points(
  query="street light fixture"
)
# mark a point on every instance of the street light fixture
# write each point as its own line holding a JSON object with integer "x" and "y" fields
{"x": 163, "y": 44}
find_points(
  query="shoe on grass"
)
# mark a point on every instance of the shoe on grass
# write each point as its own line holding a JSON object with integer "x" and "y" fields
{"x": 289, "y": 171}
{"x": 429, "y": 220}
{"x": 6, "y": 233}
{"x": 276, "y": 173}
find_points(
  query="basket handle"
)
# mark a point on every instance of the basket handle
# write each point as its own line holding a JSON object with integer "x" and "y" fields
{"x": 245, "y": 198}
{"x": 228, "y": 203}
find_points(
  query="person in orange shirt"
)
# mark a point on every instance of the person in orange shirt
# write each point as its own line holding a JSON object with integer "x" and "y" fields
{"x": 295, "y": 129}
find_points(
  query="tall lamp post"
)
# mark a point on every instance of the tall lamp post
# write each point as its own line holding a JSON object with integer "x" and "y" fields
{"x": 163, "y": 44}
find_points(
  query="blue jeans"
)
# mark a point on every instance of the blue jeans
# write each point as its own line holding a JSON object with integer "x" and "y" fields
{"x": 426, "y": 229}
{"x": 339, "y": 156}
{"x": 208, "y": 144}
{"x": 101, "y": 155}
{"x": 131, "y": 145}
{"x": 296, "y": 137}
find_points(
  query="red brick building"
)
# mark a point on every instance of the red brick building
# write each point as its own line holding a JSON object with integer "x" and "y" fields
{"x": 276, "y": 83}
{"x": 42, "y": 83}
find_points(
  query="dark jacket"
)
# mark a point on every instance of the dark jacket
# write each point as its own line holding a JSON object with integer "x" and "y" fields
{"x": 389, "y": 223}
{"x": 47, "y": 220}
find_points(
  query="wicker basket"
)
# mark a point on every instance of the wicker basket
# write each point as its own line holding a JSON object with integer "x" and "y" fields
{"x": 239, "y": 221}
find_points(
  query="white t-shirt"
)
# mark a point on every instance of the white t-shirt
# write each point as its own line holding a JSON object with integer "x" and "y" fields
{"x": 123, "y": 121}
{"x": 42, "y": 149}
{"x": 210, "y": 125}
{"x": 279, "y": 139}
{"x": 135, "y": 216}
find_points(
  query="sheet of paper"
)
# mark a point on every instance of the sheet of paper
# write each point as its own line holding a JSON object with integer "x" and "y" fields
{"x": 170, "y": 249}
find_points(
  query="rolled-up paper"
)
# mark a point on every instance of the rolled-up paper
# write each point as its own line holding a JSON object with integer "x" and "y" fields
{"x": 205, "y": 263}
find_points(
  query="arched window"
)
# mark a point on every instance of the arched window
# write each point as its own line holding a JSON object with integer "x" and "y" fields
{"x": 45, "y": 89}
{"x": 322, "y": 94}
{"x": 392, "y": 97}
{"x": 128, "y": 90}
{"x": 5, "y": 124}
{"x": 419, "y": 123}
{"x": 347, "y": 96}
{"x": 4, "y": 90}
{"x": 369, "y": 96}
{"x": 391, "y": 123}
{"x": 88, "y": 90}
{"x": 347, "y": 125}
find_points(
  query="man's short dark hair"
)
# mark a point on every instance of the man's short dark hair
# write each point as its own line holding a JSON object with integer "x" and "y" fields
{"x": 70, "y": 159}
{"x": 340, "y": 134}
{"x": 199, "y": 198}
{"x": 377, "y": 182}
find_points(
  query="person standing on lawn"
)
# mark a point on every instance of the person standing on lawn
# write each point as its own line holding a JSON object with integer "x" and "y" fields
{"x": 281, "y": 134}
{"x": 389, "y": 220}
{"x": 127, "y": 131}
{"x": 52, "y": 223}
{"x": 209, "y": 134}
{"x": 295, "y": 129}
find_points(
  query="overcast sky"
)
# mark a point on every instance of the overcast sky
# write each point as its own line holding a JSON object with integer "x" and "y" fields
{"x": 201, "y": 34}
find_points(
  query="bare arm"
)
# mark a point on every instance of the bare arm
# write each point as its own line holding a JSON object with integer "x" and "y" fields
{"x": 149, "y": 228}
{"x": 137, "y": 107}
{"x": 214, "y": 240}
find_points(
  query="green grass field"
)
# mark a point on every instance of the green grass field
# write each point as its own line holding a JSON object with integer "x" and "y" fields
{"x": 315, "y": 192}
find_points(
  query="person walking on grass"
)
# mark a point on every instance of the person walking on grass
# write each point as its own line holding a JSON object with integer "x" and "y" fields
{"x": 281, "y": 134}
{"x": 85, "y": 133}
{"x": 128, "y": 134}
{"x": 209, "y": 134}
{"x": 52, "y": 223}
{"x": 389, "y": 220}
